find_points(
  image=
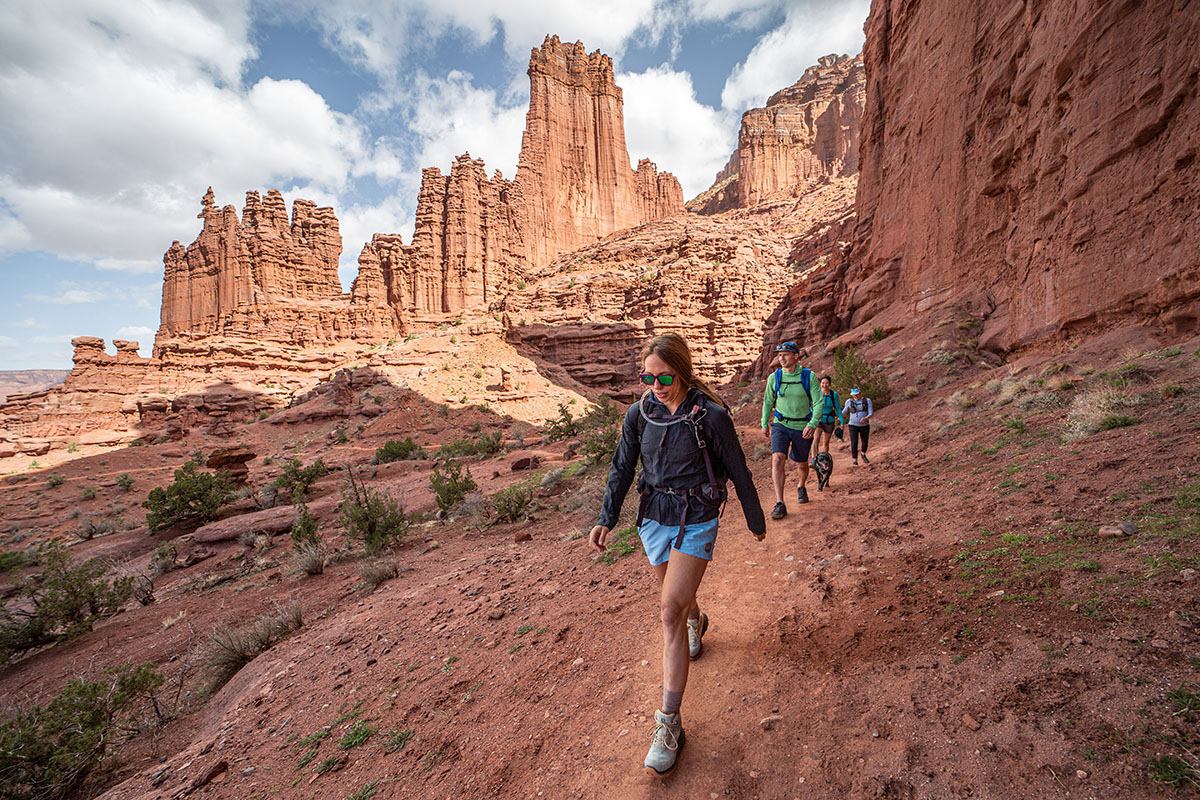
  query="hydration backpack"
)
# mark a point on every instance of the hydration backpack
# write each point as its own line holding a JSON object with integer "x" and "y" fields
{"x": 805, "y": 381}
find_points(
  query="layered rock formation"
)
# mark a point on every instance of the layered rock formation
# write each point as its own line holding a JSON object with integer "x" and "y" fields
{"x": 23, "y": 381}
{"x": 714, "y": 280}
{"x": 264, "y": 276}
{"x": 1039, "y": 157}
{"x": 475, "y": 236}
{"x": 807, "y": 133}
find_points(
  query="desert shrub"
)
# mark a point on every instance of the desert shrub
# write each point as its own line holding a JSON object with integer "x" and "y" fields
{"x": 163, "y": 560}
{"x": 47, "y": 750}
{"x": 878, "y": 334}
{"x": 374, "y": 573}
{"x": 398, "y": 451}
{"x": 940, "y": 354}
{"x": 553, "y": 478}
{"x": 911, "y": 392}
{"x": 1095, "y": 410}
{"x": 125, "y": 481}
{"x": 512, "y": 504}
{"x": 10, "y": 560}
{"x": 229, "y": 649}
{"x": 88, "y": 492}
{"x": 564, "y": 427}
{"x": 296, "y": 479}
{"x": 1039, "y": 401}
{"x": 960, "y": 400}
{"x": 194, "y": 494}
{"x": 851, "y": 369}
{"x": 450, "y": 484}
{"x": 304, "y": 530}
{"x": 93, "y": 527}
{"x": 61, "y": 603}
{"x": 484, "y": 444}
{"x": 372, "y": 516}
{"x": 55, "y": 481}
{"x": 603, "y": 414}
{"x": 311, "y": 558}
{"x": 599, "y": 445}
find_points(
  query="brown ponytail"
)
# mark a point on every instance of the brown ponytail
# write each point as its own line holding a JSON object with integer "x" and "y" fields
{"x": 672, "y": 349}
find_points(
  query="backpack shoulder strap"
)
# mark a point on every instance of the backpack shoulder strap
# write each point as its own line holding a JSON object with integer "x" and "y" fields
{"x": 778, "y": 380}
{"x": 806, "y": 378}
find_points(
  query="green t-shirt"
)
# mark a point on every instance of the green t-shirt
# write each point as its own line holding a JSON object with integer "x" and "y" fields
{"x": 793, "y": 402}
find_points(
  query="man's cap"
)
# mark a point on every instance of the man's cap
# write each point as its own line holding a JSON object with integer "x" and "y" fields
{"x": 788, "y": 347}
{"x": 854, "y": 390}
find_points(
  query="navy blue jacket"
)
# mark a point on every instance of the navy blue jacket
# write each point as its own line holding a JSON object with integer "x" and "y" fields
{"x": 671, "y": 457}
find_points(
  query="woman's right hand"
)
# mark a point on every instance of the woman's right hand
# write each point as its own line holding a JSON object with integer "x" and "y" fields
{"x": 598, "y": 537}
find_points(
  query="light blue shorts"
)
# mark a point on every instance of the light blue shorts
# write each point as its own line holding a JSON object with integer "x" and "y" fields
{"x": 658, "y": 540}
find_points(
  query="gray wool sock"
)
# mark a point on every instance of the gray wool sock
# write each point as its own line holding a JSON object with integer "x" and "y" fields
{"x": 671, "y": 702}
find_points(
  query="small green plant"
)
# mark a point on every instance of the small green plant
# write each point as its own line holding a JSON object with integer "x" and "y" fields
{"x": 365, "y": 791}
{"x": 599, "y": 445}
{"x": 374, "y": 517}
{"x": 55, "y": 481}
{"x": 1116, "y": 421}
{"x": 88, "y": 493}
{"x": 10, "y": 560}
{"x": 328, "y": 764}
{"x": 878, "y": 334}
{"x": 125, "y": 481}
{"x": 47, "y": 751}
{"x": 1175, "y": 771}
{"x": 1017, "y": 424}
{"x": 72, "y": 447}
{"x": 296, "y": 479}
{"x": 396, "y": 739}
{"x": 433, "y": 758}
{"x": 357, "y": 735}
{"x": 305, "y": 532}
{"x": 521, "y": 285}
{"x": 163, "y": 560}
{"x": 512, "y": 503}
{"x": 483, "y": 444}
{"x": 341, "y": 436}
{"x": 194, "y": 494}
{"x": 450, "y": 484}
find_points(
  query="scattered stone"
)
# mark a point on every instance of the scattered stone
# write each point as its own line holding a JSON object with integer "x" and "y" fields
{"x": 971, "y": 722}
{"x": 1080, "y": 774}
{"x": 1128, "y": 527}
{"x": 525, "y": 462}
{"x": 522, "y": 536}
{"x": 1160, "y": 644}
{"x": 579, "y": 663}
{"x": 214, "y": 774}
{"x": 496, "y": 613}
{"x": 769, "y": 723}
{"x": 997, "y": 593}
{"x": 1188, "y": 574}
{"x": 1113, "y": 531}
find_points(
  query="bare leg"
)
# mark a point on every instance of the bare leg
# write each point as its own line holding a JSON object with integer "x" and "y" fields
{"x": 778, "y": 467}
{"x": 680, "y": 577}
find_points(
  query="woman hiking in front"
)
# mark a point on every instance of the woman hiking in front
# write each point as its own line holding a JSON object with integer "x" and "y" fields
{"x": 685, "y": 438}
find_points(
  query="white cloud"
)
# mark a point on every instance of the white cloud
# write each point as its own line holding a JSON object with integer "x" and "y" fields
{"x": 75, "y": 293}
{"x": 139, "y": 332}
{"x": 667, "y": 124}
{"x": 118, "y": 116}
{"x": 780, "y": 57}
{"x": 28, "y": 322}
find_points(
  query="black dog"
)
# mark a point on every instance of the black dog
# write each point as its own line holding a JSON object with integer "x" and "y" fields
{"x": 823, "y": 464}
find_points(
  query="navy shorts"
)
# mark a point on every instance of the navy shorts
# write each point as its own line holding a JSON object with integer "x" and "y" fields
{"x": 658, "y": 540}
{"x": 784, "y": 439}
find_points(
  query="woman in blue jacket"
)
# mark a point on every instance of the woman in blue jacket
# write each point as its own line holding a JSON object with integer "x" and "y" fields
{"x": 688, "y": 447}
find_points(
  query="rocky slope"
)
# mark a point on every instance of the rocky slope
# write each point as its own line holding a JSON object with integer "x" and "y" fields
{"x": 19, "y": 381}
{"x": 806, "y": 133}
{"x": 1040, "y": 159}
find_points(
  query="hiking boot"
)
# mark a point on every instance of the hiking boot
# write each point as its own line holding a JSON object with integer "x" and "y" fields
{"x": 696, "y": 630}
{"x": 666, "y": 740}
{"x": 865, "y": 459}
{"x": 855, "y": 462}
{"x": 779, "y": 511}
{"x": 801, "y": 494}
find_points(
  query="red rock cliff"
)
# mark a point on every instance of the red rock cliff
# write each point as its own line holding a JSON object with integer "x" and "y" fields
{"x": 263, "y": 277}
{"x": 475, "y": 236}
{"x": 1041, "y": 156}
{"x": 805, "y": 134}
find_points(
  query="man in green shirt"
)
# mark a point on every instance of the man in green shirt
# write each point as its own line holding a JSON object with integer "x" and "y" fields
{"x": 792, "y": 405}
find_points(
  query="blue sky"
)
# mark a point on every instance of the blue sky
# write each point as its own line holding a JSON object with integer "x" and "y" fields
{"x": 117, "y": 115}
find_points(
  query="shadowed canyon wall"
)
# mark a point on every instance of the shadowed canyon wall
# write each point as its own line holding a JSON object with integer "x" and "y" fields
{"x": 1039, "y": 156}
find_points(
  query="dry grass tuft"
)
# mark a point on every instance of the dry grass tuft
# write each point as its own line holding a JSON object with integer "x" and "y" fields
{"x": 229, "y": 649}
{"x": 311, "y": 559}
{"x": 1097, "y": 409}
{"x": 374, "y": 573}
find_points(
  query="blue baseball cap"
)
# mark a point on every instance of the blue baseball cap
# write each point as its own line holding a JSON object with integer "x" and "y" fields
{"x": 854, "y": 390}
{"x": 788, "y": 347}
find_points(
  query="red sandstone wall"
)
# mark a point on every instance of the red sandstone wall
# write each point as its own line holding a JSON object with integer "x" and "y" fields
{"x": 1041, "y": 154}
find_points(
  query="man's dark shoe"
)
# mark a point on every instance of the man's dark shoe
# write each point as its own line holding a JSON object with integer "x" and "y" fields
{"x": 865, "y": 459}
{"x": 779, "y": 511}
{"x": 802, "y": 494}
